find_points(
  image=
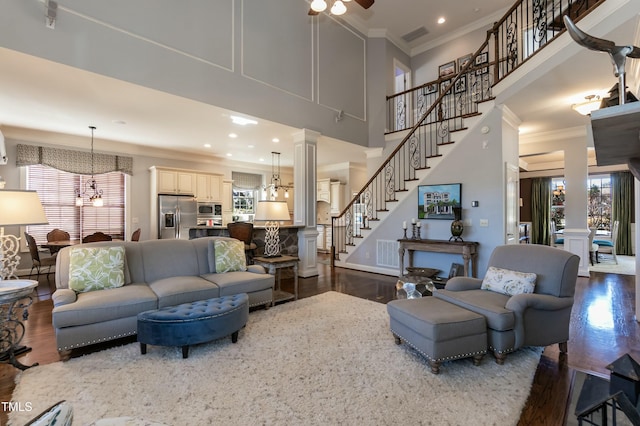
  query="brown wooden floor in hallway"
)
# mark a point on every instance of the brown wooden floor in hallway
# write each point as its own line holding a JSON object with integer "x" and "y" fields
{"x": 603, "y": 327}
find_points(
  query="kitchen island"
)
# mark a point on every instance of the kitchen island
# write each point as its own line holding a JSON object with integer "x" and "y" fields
{"x": 288, "y": 237}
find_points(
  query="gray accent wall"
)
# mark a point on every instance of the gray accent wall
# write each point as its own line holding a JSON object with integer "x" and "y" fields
{"x": 266, "y": 59}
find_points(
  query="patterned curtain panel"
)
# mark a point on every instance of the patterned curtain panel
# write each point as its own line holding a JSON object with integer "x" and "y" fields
{"x": 67, "y": 160}
{"x": 622, "y": 209}
{"x": 246, "y": 180}
{"x": 541, "y": 211}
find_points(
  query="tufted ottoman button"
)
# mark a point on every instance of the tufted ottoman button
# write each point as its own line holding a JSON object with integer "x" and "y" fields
{"x": 192, "y": 323}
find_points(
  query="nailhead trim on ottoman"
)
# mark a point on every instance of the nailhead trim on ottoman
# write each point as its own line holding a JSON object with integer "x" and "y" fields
{"x": 193, "y": 323}
{"x": 438, "y": 330}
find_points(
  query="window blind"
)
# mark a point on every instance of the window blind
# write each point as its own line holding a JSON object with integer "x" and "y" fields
{"x": 57, "y": 191}
{"x": 246, "y": 180}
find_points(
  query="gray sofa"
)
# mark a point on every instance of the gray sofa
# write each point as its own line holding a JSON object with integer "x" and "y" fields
{"x": 158, "y": 273}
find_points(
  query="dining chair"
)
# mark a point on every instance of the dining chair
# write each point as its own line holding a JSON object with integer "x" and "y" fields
{"x": 243, "y": 231}
{"x": 95, "y": 237}
{"x": 57, "y": 235}
{"x": 136, "y": 235}
{"x": 593, "y": 247}
{"x": 37, "y": 262}
{"x": 554, "y": 236}
{"x": 610, "y": 246}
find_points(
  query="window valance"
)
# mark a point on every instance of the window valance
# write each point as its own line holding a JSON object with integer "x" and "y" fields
{"x": 71, "y": 161}
{"x": 246, "y": 180}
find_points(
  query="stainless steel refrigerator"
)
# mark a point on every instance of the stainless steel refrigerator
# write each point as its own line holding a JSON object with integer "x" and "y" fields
{"x": 177, "y": 214}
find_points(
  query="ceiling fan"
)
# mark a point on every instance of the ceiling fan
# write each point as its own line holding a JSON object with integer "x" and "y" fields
{"x": 338, "y": 7}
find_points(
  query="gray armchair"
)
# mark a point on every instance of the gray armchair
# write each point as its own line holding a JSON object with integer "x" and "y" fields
{"x": 537, "y": 319}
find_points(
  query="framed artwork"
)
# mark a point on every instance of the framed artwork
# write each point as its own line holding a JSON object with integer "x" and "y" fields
{"x": 457, "y": 270}
{"x": 430, "y": 88}
{"x": 483, "y": 70}
{"x": 461, "y": 85}
{"x": 444, "y": 85}
{"x": 464, "y": 60}
{"x": 438, "y": 201}
{"x": 447, "y": 69}
{"x": 482, "y": 58}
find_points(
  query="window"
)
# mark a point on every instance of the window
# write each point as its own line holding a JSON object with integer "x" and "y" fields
{"x": 57, "y": 191}
{"x": 599, "y": 202}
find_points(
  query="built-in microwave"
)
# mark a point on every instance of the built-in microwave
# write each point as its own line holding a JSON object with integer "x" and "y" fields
{"x": 209, "y": 209}
{"x": 209, "y": 214}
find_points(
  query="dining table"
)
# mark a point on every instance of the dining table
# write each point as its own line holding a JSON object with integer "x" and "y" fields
{"x": 55, "y": 246}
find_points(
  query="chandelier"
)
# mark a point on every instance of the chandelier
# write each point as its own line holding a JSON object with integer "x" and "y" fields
{"x": 276, "y": 184}
{"x": 90, "y": 186}
{"x": 338, "y": 7}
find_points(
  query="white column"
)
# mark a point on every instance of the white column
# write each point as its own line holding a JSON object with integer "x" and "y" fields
{"x": 304, "y": 208}
{"x": 637, "y": 207}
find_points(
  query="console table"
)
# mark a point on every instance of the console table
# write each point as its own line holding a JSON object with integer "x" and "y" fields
{"x": 15, "y": 298}
{"x": 468, "y": 250}
{"x": 273, "y": 265}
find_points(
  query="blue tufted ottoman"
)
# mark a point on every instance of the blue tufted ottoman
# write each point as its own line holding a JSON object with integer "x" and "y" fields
{"x": 192, "y": 323}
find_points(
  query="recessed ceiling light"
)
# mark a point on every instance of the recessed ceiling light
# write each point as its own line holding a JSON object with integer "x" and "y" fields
{"x": 118, "y": 122}
{"x": 441, "y": 20}
{"x": 207, "y": 145}
{"x": 229, "y": 154}
{"x": 250, "y": 146}
{"x": 233, "y": 135}
{"x": 242, "y": 120}
{"x": 262, "y": 159}
{"x": 276, "y": 140}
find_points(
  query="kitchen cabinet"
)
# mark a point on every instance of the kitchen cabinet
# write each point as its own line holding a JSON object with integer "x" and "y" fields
{"x": 208, "y": 187}
{"x": 170, "y": 181}
{"x": 336, "y": 198}
{"x": 321, "y": 238}
{"x": 227, "y": 196}
{"x": 324, "y": 238}
{"x": 323, "y": 187}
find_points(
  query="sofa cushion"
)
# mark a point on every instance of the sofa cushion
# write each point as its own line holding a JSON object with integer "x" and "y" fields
{"x": 105, "y": 305}
{"x": 229, "y": 256}
{"x": 508, "y": 282}
{"x": 240, "y": 282}
{"x": 183, "y": 289}
{"x": 96, "y": 268}
{"x": 487, "y": 303}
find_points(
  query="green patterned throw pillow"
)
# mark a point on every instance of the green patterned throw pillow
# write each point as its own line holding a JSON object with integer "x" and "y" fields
{"x": 96, "y": 268}
{"x": 230, "y": 256}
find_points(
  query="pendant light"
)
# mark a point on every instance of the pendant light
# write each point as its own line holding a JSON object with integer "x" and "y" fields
{"x": 91, "y": 186}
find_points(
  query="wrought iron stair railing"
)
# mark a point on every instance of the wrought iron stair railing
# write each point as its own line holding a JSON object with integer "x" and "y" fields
{"x": 433, "y": 112}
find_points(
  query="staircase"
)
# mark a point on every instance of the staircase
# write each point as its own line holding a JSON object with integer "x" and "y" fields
{"x": 430, "y": 118}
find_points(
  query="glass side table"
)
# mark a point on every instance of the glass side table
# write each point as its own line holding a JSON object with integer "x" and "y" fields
{"x": 15, "y": 299}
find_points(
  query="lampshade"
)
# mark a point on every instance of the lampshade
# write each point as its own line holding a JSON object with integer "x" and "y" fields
{"x": 272, "y": 210}
{"x": 21, "y": 208}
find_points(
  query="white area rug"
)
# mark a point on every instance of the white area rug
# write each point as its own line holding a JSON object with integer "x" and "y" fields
{"x": 626, "y": 265}
{"x": 325, "y": 360}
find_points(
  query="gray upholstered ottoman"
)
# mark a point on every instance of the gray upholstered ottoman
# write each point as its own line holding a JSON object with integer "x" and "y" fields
{"x": 439, "y": 330}
{"x": 192, "y": 323}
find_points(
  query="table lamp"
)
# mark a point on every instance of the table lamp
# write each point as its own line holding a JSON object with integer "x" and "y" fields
{"x": 17, "y": 208}
{"x": 272, "y": 212}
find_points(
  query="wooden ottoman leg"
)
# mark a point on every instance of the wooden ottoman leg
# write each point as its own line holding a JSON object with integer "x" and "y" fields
{"x": 435, "y": 366}
{"x": 477, "y": 359}
{"x": 397, "y": 339}
{"x": 234, "y": 336}
{"x": 500, "y": 358}
{"x": 143, "y": 348}
{"x": 185, "y": 351}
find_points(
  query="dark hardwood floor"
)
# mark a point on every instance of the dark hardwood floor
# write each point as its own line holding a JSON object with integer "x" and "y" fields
{"x": 603, "y": 328}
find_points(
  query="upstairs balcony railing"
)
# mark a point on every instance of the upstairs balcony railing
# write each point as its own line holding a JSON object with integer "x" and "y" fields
{"x": 434, "y": 111}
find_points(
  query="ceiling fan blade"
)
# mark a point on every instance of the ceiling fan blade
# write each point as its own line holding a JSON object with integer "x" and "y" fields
{"x": 312, "y": 12}
{"x": 365, "y": 3}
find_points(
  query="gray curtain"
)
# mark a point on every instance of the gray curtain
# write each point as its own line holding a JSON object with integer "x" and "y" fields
{"x": 540, "y": 210}
{"x": 78, "y": 162}
{"x": 621, "y": 209}
{"x": 246, "y": 180}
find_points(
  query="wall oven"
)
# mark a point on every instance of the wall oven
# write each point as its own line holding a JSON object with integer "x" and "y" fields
{"x": 209, "y": 214}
